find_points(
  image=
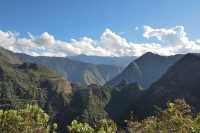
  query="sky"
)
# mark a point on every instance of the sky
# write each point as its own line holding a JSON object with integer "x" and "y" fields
{"x": 100, "y": 27}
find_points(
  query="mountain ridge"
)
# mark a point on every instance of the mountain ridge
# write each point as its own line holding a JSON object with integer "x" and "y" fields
{"x": 146, "y": 69}
{"x": 76, "y": 71}
{"x": 106, "y": 60}
{"x": 181, "y": 81}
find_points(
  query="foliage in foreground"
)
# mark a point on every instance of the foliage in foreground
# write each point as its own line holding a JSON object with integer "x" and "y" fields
{"x": 177, "y": 118}
{"x": 30, "y": 119}
{"x": 102, "y": 126}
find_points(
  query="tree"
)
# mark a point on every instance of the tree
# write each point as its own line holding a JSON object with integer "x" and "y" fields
{"x": 30, "y": 119}
{"x": 102, "y": 126}
{"x": 78, "y": 127}
{"x": 176, "y": 118}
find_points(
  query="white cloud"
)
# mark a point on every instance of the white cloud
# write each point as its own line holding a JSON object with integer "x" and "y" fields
{"x": 172, "y": 41}
{"x": 7, "y": 40}
{"x": 174, "y": 38}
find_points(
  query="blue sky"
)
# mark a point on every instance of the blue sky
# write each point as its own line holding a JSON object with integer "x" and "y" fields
{"x": 68, "y": 19}
{"x": 73, "y": 19}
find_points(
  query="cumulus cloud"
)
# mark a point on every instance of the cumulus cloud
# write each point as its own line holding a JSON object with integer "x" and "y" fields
{"x": 170, "y": 41}
{"x": 174, "y": 38}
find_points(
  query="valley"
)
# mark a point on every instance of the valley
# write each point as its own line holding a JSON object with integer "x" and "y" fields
{"x": 139, "y": 88}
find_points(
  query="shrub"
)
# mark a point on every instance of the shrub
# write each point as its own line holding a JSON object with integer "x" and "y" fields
{"x": 30, "y": 119}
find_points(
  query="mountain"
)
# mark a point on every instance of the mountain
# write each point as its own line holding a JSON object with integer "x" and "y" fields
{"x": 106, "y": 60}
{"x": 76, "y": 71}
{"x": 9, "y": 56}
{"x": 93, "y": 103}
{"x": 25, "y": 82}
{"x": 180, "y": 81}
{"x": 88, "y": 103}
{"x": 122, "y": 98}
{"x": 22, "y": 83}
{"x": 146, "y": 69}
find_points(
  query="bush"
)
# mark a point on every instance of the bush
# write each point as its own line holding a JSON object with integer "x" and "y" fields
{"x": 78, "y": 127}
{"x": 102, "y": 126}
{"x": 30, "y": 119}
{"x": 176, "y": 118}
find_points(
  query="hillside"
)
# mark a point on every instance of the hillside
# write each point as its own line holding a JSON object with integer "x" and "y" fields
{"x": 106, "y": 60}
{"x": 76, "y": 71}
{"x": 24, "y": 83}
{"x": 180, "y": 81}
{"x": 146, "y": 69}
{"x": 119, "y": 101}
{"x": 122, "y": 98}
{"x": 9, "y": 56}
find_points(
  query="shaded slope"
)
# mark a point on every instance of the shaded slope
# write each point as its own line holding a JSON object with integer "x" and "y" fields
{"x": 88, "y": 103}
{"x": 123, "y": 98}
{"x": 75, "y": 71}
{"x": 115, "y": 61}
{"x": 130, "y": 74}
{"x": 180, "y": 81}
{"x": 31, "y": 81}
{"x": 26, "y": 83}
{"x": 9, "y": 56}
{"x": 146, "y": 69}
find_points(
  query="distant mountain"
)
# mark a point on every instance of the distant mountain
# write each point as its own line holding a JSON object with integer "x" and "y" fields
{"x": 146, "y": 69}
{"x": 180, "y": 81}
{"x": 9, "y": 56}
{"x": 24, "y": 82}
{"x": 76, "y": 71}
{"x": 116, "y": 61}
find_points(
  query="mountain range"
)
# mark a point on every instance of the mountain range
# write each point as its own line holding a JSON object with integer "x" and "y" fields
{"x": 146, "y": 69}
{"x": 22, "y": 83}
{"x": 76, "y": 71}
{"x": 153, "y": 81}
{"x": 106, "y": 60}
{"x": 180, "y": 81}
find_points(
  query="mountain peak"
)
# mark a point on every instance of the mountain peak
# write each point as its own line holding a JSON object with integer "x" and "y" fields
{"x": 150, "y": 54}
{"x": 146, "y": 69}
{"x": 180, "y": 81}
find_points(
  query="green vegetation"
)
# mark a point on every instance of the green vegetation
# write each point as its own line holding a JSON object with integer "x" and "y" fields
{"x": 76, "y": 71}
{"x": 30, "y": 119}
{"x": 102, "y": 126}
{"x": 177, "y": 118}
{"x": 95, "y": 108}
{"x": 23, "y": 83}
{"x": 89, "y": 103}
